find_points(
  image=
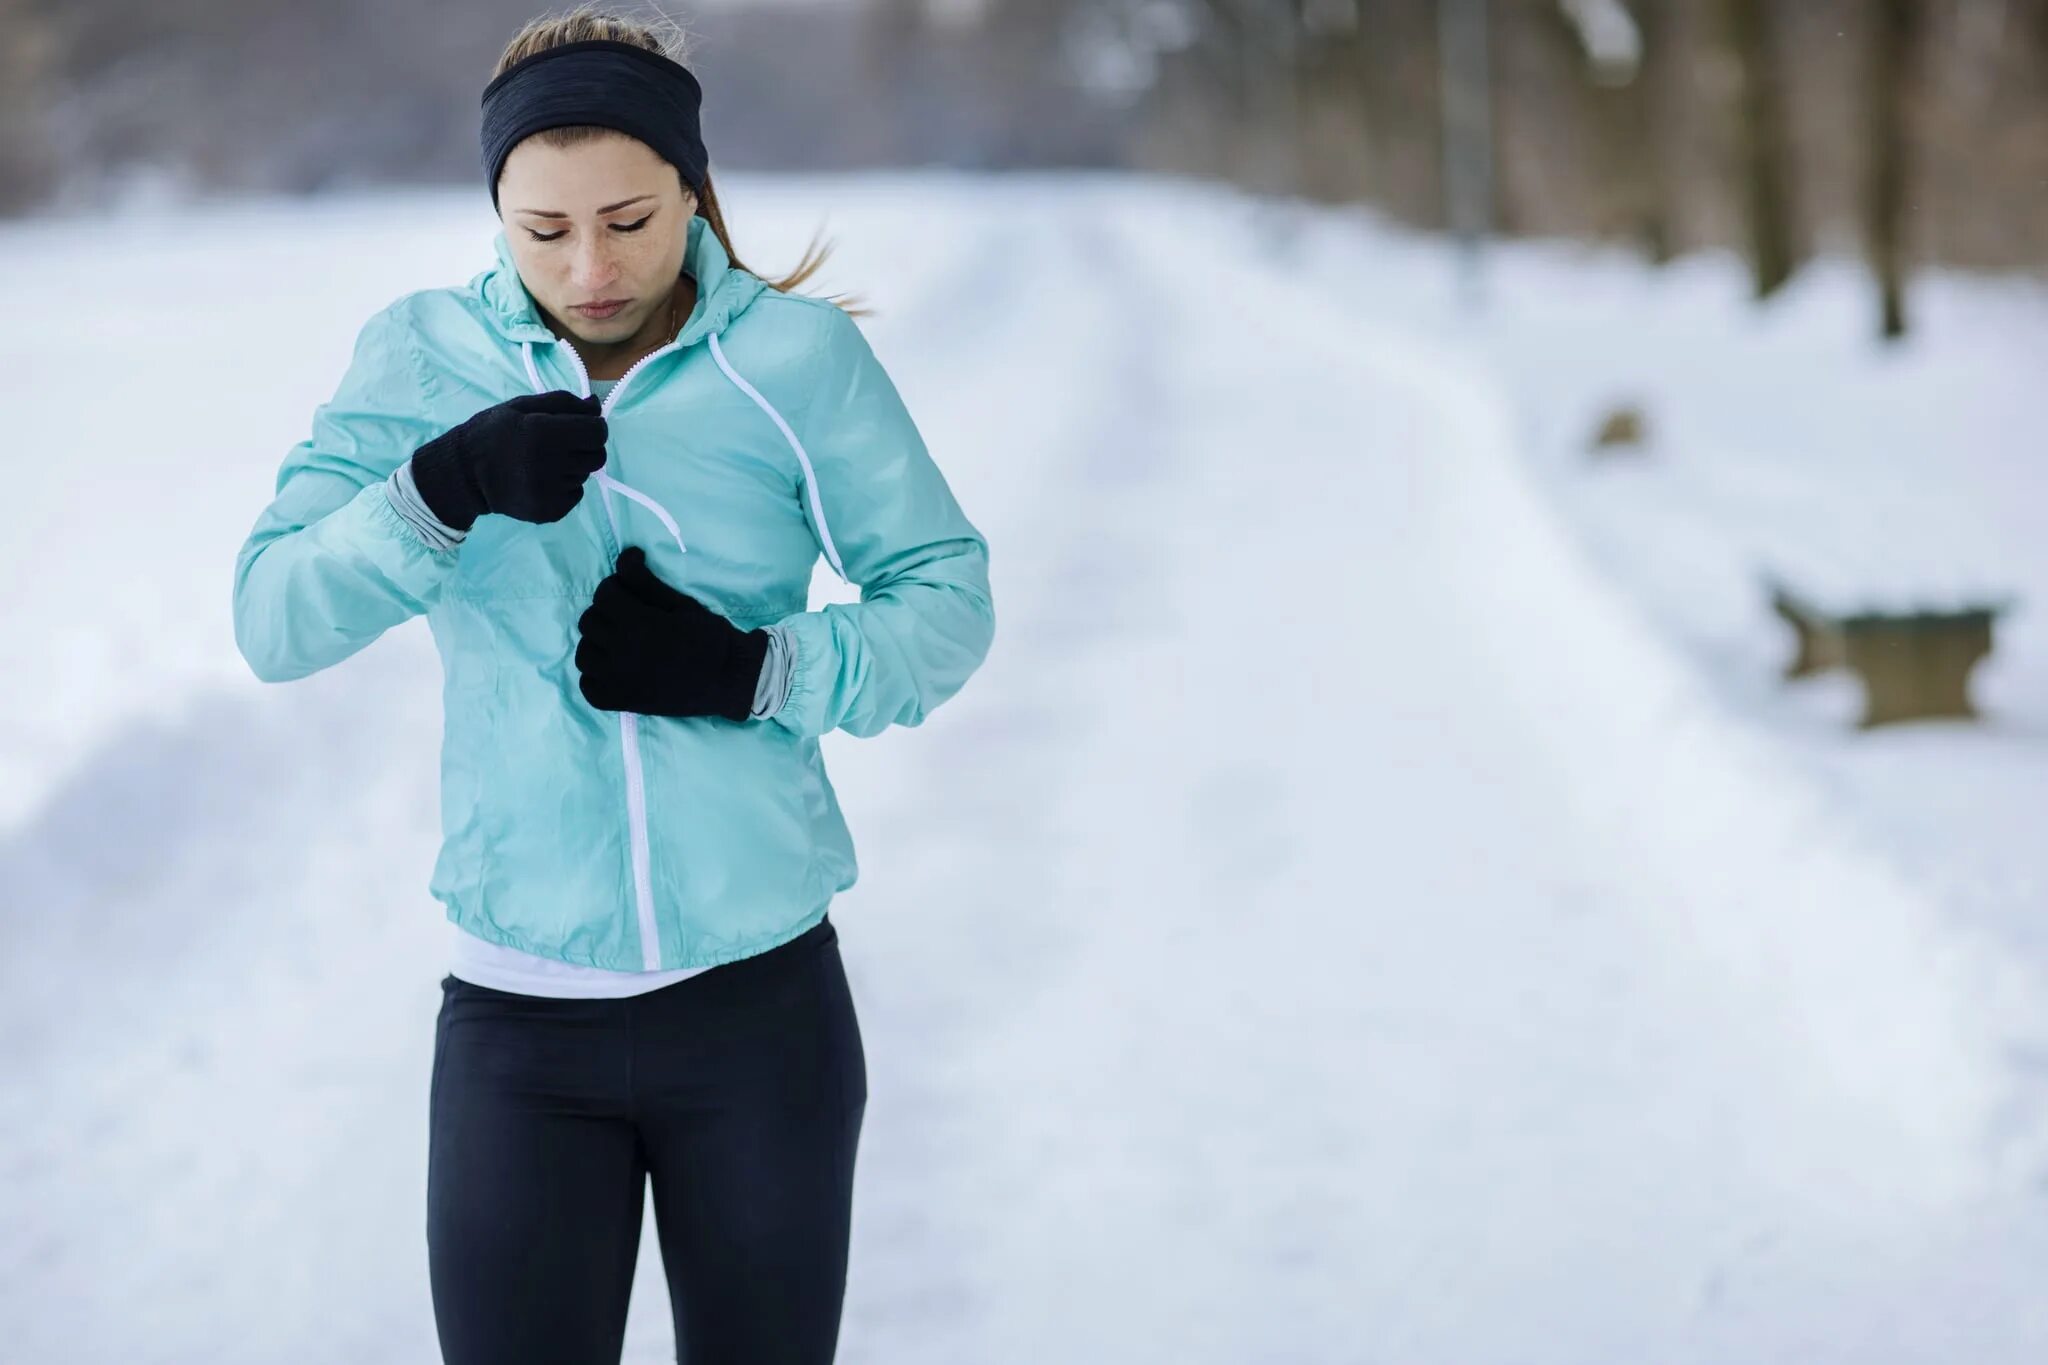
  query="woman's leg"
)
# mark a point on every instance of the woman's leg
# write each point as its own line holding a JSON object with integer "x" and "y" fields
{"x": 535, "y": 1182}
{"x": 752, "y": 1084}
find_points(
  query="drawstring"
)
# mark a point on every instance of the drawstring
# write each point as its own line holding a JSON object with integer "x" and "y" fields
{"x": 604, "y": 480}
{"x": 612, "y": 485}
{"x": 649, "y": 503}
{"x": 810, "y": 475}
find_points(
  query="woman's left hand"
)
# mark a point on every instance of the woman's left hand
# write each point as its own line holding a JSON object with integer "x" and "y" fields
{"x": 651, "y": 649}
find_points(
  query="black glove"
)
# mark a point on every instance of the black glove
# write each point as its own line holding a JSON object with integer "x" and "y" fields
{"x": 648, "y": 648}
{"x": 527, "y": 457}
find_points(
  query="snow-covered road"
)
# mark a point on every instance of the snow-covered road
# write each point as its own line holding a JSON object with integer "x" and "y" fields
{"x": 1330, "y": 929}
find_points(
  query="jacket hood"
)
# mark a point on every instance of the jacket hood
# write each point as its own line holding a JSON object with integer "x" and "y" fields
{"x": 723, "y": 290}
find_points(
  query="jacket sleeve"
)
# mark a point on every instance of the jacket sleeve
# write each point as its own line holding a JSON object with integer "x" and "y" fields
{"x": 330, "y": 564}
{"x": 925, "y": 619}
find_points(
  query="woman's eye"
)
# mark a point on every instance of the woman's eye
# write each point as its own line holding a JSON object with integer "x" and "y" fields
{"x": 616, "y": 227}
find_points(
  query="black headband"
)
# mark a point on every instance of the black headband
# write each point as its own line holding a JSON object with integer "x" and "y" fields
{"x": 600, "y": 81}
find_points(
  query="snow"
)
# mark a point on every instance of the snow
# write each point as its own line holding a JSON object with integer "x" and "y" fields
{"x": 1787, "y": 440}
{"x": 1610, "y": 35}
{"x": 1375, "y": 903}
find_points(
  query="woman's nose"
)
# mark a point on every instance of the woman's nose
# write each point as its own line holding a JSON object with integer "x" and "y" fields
{"x": 592, "y": 268}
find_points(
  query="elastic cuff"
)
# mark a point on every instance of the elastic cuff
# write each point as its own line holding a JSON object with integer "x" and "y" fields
{"x": 405, "y": 500}
{"x": 384, "y": 511}
{"x": 773, "y": 689}
{"x": 801, "y": 708}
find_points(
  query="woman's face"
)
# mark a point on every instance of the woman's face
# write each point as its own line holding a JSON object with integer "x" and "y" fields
{"x": 603, "y": 222}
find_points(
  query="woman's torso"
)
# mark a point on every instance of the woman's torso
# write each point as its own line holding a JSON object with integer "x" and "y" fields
{"x": 570, "y": 834}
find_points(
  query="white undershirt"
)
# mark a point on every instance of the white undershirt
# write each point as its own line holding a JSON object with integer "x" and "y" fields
{"x": 483, "y": 963}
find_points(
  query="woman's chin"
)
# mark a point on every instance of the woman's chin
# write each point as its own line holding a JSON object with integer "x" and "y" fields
{"x": 602, "y": 331}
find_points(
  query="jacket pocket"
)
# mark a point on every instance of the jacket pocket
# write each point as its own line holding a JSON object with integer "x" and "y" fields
{"x": 731, "y": 829}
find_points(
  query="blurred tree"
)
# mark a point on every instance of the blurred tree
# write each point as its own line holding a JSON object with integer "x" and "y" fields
{"x": 1766, "y": 194}
{"x": 1746, "y": 123}
{"x": 1620, "y": 52}
{"x": 28, "y": 62}
{"x": 1404, "y": 71}
{"x": 1256, "y": 49}
{"x": 1656, "y": 84}
{"x": 1893, "y": 33}
{"x": 1465, "y": 29}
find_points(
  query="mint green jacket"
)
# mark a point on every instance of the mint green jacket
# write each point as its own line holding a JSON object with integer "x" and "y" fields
{"x": 765, "y": 434}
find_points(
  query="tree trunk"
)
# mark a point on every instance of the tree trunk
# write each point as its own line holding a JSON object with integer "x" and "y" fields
{"x": 1654, "y": 86}
{"x": 1766, "y": 191}
{"x": 1893, "y": 31}
{"x": 27, "y": 59}
{"x": 1464, "y": 32}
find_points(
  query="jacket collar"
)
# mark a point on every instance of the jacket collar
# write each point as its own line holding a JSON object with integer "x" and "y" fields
{"x": 723, "y": 290}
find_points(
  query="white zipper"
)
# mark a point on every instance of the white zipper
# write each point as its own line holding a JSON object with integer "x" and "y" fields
{"x": 629, "y": 722}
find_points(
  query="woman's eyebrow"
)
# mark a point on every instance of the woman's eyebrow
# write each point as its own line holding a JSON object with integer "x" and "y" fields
{"x": 608, "y": 208}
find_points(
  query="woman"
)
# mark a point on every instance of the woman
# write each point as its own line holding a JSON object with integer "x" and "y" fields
{"x": 603, "y": 471}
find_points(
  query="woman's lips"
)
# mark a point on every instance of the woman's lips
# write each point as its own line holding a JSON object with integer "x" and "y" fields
{"x": 599, "y": 311}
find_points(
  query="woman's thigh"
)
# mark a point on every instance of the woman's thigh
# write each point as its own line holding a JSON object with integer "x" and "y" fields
{"x": 752, "y": 1096}
{"x": 535, "y": 1181}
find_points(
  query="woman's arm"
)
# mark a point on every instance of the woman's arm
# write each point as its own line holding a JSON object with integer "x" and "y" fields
{"x": 331, "y": 564}
{"x": 925, "y": 619}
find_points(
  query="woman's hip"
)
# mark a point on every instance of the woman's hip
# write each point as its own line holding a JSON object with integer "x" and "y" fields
{"x": 778, "y": 1028}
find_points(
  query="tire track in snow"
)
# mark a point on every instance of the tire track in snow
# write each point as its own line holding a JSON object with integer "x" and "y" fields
{"x": 970, "y": 904}
{"x": 1399, "y": 985}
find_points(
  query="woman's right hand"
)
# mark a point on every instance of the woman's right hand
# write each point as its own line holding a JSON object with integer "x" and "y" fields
{"x": 527, "y": 457}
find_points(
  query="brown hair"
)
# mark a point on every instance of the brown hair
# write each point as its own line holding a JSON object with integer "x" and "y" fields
{"x": 666, "y": 37}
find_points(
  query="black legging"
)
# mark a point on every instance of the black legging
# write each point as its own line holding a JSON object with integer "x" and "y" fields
{"x": 739, "y": 1091}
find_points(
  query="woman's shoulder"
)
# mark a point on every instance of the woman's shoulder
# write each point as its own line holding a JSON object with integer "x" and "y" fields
{"x": 450, "y": 308}
{"x": 790, "y": 343}
{"x": 446, "y": 333}
{"x": 795, "y": 305}
{"x": 417, "y": 316}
